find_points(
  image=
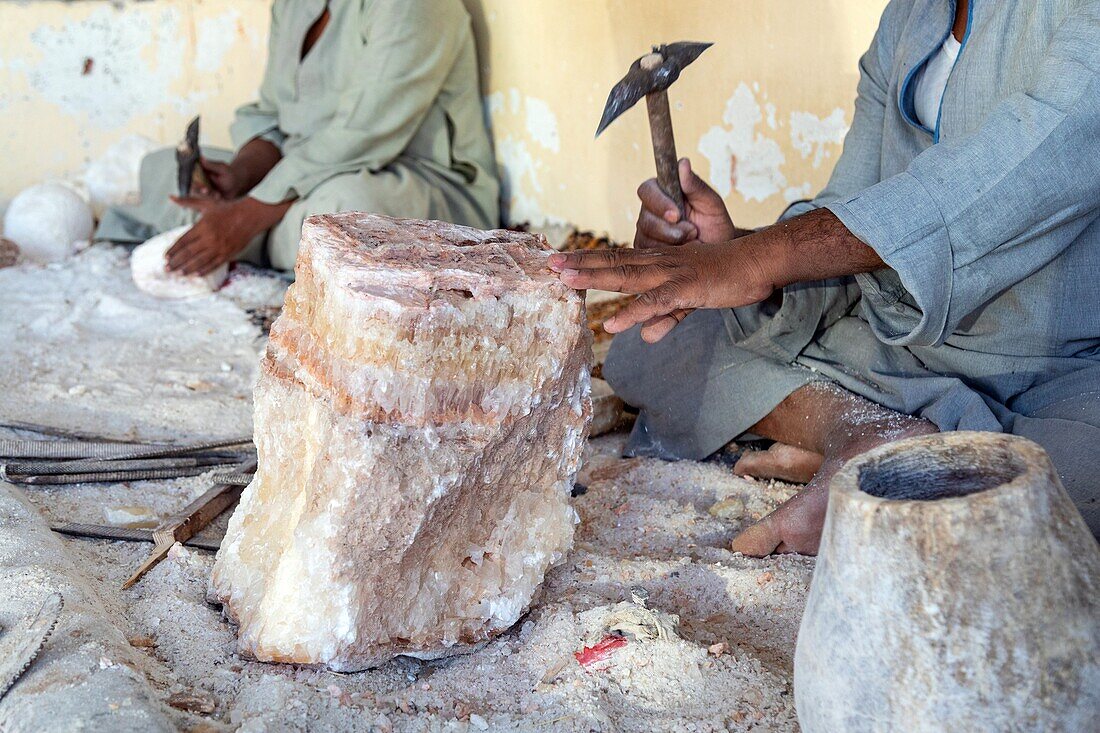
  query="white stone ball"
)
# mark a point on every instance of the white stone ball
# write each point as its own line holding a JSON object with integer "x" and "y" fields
{"x": 48, "y": 221}
{"x": 149, "y": 268}
{"x": 114, "y": 178}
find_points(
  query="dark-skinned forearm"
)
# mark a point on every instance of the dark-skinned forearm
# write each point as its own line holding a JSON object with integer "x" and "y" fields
{"x": 814, "y": 246}
{"x": 253, "y": 161}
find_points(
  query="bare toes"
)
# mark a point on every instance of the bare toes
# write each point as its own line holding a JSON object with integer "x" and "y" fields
{"x": 757, "y": 540}
{"x": 780, "y": 461}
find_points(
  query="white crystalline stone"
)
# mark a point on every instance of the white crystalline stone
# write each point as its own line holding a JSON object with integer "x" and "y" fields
{"x": 149, "y": 267}
{"x": 48, "y": 221}
{"x": 420, "y": 417}
{"x": 130, "y": 515}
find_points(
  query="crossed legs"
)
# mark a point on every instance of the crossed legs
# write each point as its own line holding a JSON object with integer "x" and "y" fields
{"x": 816, "y": 428}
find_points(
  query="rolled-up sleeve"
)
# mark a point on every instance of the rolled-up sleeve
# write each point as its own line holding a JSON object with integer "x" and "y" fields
{"x": 409, "y": 49}
{"x": 971, "y": 217}
{"x": 260, "y": 119}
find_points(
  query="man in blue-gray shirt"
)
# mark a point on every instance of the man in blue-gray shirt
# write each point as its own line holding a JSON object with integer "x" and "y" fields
{"x": 947, "y": 278}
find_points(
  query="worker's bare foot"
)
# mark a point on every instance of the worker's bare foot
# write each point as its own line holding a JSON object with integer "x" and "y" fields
{"x": 839, "y": 424}
{"x": 795, "y": 526}
{"x": 780, "y": 461}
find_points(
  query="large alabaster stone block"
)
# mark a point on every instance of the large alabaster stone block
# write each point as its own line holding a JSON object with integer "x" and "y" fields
{"x": 420, "y": 416}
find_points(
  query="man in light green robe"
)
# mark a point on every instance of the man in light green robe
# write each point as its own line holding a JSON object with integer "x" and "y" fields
{"x": 370, "y": 106}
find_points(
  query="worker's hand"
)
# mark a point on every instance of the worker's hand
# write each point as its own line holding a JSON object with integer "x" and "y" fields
{"x": 225, "y": 183}
{"x": 224, "y": 229}
{"x": 672, "y": 280}
{"x": 659, "y": 221}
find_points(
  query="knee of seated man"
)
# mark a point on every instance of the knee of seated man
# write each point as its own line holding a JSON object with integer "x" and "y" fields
{"x": 162, "y": 159}
{"x": 625, "y": 365}
{"x": 374, "y": 193}
{"x": 640, "y": 372}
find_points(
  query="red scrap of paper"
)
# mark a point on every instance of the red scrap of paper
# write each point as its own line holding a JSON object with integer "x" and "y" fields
{"x": 601, "y": 651}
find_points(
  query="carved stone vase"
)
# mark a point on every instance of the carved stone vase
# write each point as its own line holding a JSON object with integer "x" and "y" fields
{"x": 957, "y": 588}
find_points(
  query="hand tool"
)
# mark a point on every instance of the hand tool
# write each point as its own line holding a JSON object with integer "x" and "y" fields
{"x": 190, "y": 520}
{"x": 651, "y": 76}
{"x": 20, "y": 646}
{"x": 189, "y": 171}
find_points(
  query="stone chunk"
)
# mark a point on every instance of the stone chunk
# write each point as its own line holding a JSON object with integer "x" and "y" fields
{"x": 420, "y": 416}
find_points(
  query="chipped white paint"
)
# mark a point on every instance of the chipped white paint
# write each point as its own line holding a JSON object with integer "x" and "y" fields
{"x": 110, "y": 66}
{"x": 519, "y": 181}
{"x": 811, "y": 134}
{"x": 797, "y": 193}
{"x": 85, "y": 75}
{"x": 520, "y": 154}
{"x": 217, "y": 35}
{"x": 740, "y": 157}
{"x": 147, "y": 77}
{"x": 542, "y": 123}
{"x": 746, "y": 157}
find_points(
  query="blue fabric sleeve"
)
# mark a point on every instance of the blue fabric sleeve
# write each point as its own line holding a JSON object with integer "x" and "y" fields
{"x": 971, "y": 217}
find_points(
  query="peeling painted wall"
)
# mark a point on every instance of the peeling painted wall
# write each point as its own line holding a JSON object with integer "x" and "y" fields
{"x": 77, "y": 77}
{"x": 762, "y": 113}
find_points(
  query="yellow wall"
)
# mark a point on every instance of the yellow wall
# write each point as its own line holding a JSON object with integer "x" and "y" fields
{"x": 151, "y": 66}
{"x": 775, "y": 92}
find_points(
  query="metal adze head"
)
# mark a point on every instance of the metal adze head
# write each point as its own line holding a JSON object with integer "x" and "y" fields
{"x": 640, "y": 81}
{"x": 187, "y": 158}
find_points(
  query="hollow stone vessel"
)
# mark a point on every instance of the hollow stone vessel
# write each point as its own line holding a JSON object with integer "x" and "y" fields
{"x": 957, "y": 588}
{"x": 419, "y": 418}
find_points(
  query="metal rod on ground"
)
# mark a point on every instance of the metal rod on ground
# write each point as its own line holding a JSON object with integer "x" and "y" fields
{"x": 103, "y": 477}
{"x": 60, "y": 449}
{"x": 29, "y": 468}
{"x": 47, "y": 449}
{"x": 123, "y": 534}
{"x": 74, "y": 435}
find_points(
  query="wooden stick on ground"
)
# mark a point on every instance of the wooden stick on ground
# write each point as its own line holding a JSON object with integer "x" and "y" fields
{"x": 190, "y": 521}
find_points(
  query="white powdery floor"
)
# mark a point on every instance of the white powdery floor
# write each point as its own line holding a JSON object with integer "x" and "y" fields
{"x": 644, "y": 523}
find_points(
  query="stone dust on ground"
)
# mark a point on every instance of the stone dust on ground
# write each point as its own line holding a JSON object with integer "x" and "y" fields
{"x": 661, "y": 527}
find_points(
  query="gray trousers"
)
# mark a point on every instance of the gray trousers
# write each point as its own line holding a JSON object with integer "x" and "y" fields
{"x": 721, "y": 371}
{"x": 401, "y": 189}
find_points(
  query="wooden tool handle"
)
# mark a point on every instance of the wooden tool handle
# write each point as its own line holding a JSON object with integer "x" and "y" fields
{"x": 664, "y": 147}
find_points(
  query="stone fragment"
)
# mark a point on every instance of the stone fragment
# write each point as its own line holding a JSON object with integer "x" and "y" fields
{"x": 192, "y": 703}
{"x": 9, "y": 253}
{"x": 957, "y": 588}
{"x": 131, "y": 516}
{"x": 113, "y": 179}
{"x": 149, "y": 268}
{"x": 607, "y": 408}
{"x": 420, "y": 417}
{"x": 728, "y": 509}
{"x": 49, "y": 222}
